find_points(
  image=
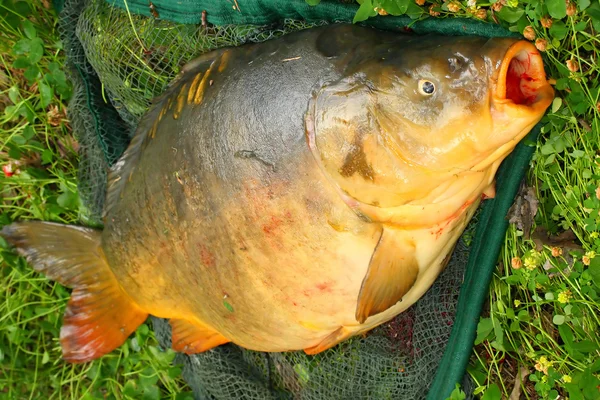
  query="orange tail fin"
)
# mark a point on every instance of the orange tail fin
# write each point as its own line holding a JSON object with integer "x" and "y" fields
{"x": 100, "y": 315}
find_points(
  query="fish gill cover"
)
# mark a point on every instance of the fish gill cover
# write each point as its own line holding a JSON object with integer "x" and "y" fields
{"x": 123, "y": 54}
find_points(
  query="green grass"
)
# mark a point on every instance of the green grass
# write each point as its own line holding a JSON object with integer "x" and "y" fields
{"x": 39, "y": 161}
{"x": 543, "y": 314}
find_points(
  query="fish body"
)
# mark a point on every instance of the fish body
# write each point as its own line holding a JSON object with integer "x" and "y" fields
{"x": 290, "y": 194}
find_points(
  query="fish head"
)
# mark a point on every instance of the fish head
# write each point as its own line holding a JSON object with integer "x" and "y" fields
{"x": 417, "y": 111}
{"x": 453, "y": 103}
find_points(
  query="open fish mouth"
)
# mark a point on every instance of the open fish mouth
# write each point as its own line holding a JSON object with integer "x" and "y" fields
{"x": 522, "y": 79}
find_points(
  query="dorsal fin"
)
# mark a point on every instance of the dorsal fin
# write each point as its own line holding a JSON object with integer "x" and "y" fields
{"x": 121, "y": 171}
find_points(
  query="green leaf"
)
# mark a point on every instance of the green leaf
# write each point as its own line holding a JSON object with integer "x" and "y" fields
{"x": 574, "y": 392}
{"x": 174, "y": 373}
{"x": 19, "y": 140}
{"x": 558, "y": 319}
{"x": 130, "y": 389}
{"x": 567, "y": 336}
{"x": 21, "y": 62}
{"x": 457, "y": 394}
{"x": 577, "y": 153}
{"x": 499, "y": 333}
{"x": 29, "y": 29}
{"x": 583, "y": 4}
{"x": 594, "y": 12}
{"x": 365, "y": 11}
{"x": 28, "y": 114}
{"x": 22, "y": 46}
{"x": 595, "y": 367}
{"x": 484, "y": 329}
{"x": 46, "y": 94}
{"x": 22, "y": 8}
{"x": 395, "y": 7}
{"x": 580, "y": 26}
{"x": 594, "y": 270}
{"x": 32, "y": 73}
{"x": 514, "y": 326}
{"x": 568, "y": 309}
{"x": 60, "y": 79}
{"x": 556, "y": 103}
{"x": 492, "y": 393}
{"x": 68, "y": 200}
{"x": 37, "y": 50}
{"x": 13, "y": 152}
{"x": 585, "y": 346}
{"x": 148, "y": 378}
{"x": 557, "y": 8}
{"x": 558, "y": 30}
{"x": 28, "y": 132}
{"x": 511, "y": 15}
{"x": 313, "y": 2}
{"x": 151, "y": 393}
{"x": 414, "y": 11}
{"x": 589, "y": 385}
{"x": 13, "y": 94}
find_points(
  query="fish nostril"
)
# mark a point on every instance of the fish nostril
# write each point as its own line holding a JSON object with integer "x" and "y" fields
{"x": 455, "y": 64}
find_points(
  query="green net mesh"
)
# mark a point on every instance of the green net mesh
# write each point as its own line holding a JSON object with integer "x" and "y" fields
{"x": 119, "y": 61}
{"x": 136, "y": 56}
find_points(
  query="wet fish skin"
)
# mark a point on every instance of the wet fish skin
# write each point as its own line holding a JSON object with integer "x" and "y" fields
{"x": 290, "y": 194}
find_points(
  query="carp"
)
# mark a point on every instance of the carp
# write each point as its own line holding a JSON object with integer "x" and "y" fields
{"x": 290, "y": 194}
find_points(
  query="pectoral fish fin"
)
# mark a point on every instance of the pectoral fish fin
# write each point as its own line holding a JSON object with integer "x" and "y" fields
{"x": 100, "y": 315}
{"x": 338, "y": 336}
{"x": 191, "y": 338}
{"x": 490, "y": 191}
{"x": 392, "y": 272}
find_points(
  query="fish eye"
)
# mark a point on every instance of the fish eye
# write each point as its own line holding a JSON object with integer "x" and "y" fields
{"x": 426, "y": 88}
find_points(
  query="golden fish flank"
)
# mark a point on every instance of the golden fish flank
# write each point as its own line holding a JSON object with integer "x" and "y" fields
{"x": 303, "y": 202}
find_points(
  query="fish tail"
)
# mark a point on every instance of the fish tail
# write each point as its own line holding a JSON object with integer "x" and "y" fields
{"x": 100, "y": 315}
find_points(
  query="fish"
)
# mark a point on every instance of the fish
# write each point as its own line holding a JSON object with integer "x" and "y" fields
{"x": 291, "y": 194}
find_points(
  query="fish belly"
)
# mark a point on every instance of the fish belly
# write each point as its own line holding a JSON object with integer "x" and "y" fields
{"x": 284, "y": 266}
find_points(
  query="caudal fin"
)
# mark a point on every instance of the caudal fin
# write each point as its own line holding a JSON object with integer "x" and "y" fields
{"x": 100, "y": 315}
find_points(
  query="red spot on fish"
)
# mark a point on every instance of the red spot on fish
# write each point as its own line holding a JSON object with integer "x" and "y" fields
{"x": 460, "y": 211}
{"x": 206, "y": 256}
{"x": 294, "y": 303}
{"x": 439, "y": 232}
{"x": 272, "y": 225}
{"x": 324, "y": 287}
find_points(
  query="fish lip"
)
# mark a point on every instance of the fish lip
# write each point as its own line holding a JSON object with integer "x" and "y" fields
{"x": 521, "y": 80}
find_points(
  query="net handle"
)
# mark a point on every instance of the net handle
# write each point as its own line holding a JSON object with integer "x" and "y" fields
{"x": 483, "y": 258}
